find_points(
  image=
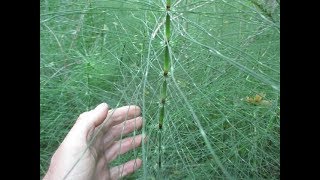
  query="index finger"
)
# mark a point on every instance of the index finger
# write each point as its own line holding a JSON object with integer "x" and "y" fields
{"x": 119, "y": 115}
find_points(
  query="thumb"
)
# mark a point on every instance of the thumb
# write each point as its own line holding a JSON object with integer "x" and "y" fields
{"x": 99, "y": 114}
{"x": 91, "y": 119}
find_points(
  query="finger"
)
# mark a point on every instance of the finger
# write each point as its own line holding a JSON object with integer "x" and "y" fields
{"x": 124, "y": 128}
{"x": 125, "y": 169}
{"x": 123, "y": 146}
{"x": 87, "y": 121}
{"x": 117, "y": 116}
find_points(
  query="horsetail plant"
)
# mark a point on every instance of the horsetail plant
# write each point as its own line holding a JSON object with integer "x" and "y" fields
{"x": 163, "y": 94}
{"x": 191, "y": 66}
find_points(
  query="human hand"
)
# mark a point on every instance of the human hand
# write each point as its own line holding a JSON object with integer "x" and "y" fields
{"x": 92, "y": 163}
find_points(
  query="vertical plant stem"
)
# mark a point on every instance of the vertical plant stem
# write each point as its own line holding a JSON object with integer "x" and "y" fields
{"x": 166, "y": 61}
{"x": 166, "y": 67}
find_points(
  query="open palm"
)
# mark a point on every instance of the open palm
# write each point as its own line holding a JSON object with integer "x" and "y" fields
{"x": 93, "y": 142}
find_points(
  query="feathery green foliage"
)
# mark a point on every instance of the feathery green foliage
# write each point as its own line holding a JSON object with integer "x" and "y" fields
{"x": 214, "y": 65}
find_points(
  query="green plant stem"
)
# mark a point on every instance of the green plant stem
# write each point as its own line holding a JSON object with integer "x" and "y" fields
{"x": 166, "y": 67}
{"x": 166, "y": 61}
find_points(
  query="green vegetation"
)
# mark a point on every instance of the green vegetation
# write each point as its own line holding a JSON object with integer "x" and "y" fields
{"x": 205, "y": 73}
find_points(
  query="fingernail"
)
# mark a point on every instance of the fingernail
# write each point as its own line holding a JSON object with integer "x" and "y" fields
{"x": 144, "y": 137}
{"x": 101, "y": 106}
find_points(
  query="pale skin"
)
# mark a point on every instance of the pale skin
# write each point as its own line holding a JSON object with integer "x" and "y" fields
{"x": 105, "y": 147}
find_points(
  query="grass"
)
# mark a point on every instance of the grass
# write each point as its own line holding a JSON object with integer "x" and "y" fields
{"x": 221, "y": 52}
